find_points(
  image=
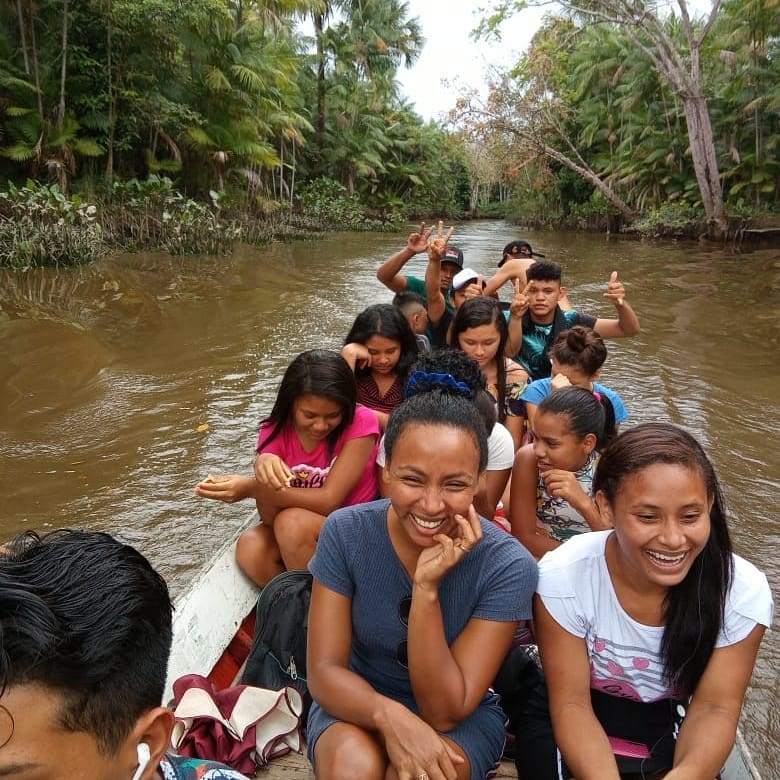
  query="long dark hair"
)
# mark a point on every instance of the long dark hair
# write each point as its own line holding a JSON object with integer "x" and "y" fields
{"x": 474, "y": 313}
{"x": 694, "y": 608}
{"x": 316, "y": 372}
{"x": 384, "y": 319}
{"x": 586, "y": 412}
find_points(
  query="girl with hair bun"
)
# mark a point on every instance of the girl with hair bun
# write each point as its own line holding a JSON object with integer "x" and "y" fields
{"x": 649, "y": 632}
{"x": 550, "y": 498}
{"x": 315, "y": 452}
{"x": 577, "y": 355}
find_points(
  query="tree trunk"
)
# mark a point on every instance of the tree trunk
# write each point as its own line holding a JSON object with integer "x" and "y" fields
{"x": 292, "y": 174}
{"x": 320, "y": 123}
{"x": 111, "y": 105}
{"x": 22, "y": 36}
{"x": 593, "y": 178}
{"x": 64, "y": 69}
{"x": 705, "y": 163}
{"x": 34, "y": 48}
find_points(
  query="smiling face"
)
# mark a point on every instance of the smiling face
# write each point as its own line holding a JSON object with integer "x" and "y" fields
{"x": 661, "y": 516}
{"x": 556, "y": 446}
{"x": 315, "y": 417}
{"x": 433, "y": 476}
{"x": 480, "y": 343}
{"x": 543, "y": 297}
{"x": 385, "y": 354}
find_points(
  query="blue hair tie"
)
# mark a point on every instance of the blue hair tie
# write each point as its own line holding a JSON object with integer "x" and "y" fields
{"x": 423, "y": 382}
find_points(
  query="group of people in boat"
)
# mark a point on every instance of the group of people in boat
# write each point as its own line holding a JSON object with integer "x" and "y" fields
{"x": 510, "y": 505}
{"x": 454, "y": 478}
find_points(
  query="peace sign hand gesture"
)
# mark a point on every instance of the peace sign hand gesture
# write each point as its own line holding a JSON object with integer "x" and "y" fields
{"x": 418, "y": 242}
{"x": 520, "y": 301}
{"x": 437, "y": 245}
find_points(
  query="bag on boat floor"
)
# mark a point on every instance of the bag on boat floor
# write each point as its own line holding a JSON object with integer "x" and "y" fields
{"x": 243, "y": 726}
{"x": 277, "y": 657}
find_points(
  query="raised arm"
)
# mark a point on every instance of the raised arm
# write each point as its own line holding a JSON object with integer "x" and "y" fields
{"x": 389, "y": 273}
{"x": 517, "y": 308}
{"x": 709, "y": 729}
{"x": 578, "y": 733}
{"x": 627, "y": 323}
{"x": 449, "y": 682}
{"x": 436, "y": 302}
{"x": 510, "y": 270}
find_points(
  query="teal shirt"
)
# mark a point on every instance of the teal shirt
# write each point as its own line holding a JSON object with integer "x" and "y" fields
{"x": 175, "y": 767}
{"x": 415, "y": 285}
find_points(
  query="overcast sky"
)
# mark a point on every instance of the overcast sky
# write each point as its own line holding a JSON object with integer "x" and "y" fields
{"x": 451, "y": 55}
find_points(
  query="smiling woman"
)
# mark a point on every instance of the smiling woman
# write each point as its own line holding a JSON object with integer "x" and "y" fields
{"x": 414, "y": 605}
{"x": 647, "y": 667}
{"x": 380, "y": 348}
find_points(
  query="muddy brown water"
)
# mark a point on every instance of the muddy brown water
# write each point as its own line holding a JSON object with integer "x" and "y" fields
{"x": 109, "y": 373}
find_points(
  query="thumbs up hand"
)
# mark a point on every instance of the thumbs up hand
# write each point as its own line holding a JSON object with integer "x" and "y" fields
{"x": 615, "y": 290}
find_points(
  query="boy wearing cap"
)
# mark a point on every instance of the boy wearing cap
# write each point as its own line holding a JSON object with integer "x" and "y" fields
{"x": 465, "y": 284}
{"x": 389, "y": 273}
{"x": 517, "y": 258}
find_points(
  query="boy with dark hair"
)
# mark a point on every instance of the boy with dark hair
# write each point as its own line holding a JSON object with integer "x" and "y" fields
{"x": 536, "y": 322}
{"x": 85, "y": 634}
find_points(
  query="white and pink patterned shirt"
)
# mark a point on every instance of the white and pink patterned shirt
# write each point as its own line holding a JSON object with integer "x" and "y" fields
{"x": 625, "y": 658}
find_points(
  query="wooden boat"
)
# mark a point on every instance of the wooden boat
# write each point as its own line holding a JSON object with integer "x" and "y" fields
{"x": 213, "y": 626}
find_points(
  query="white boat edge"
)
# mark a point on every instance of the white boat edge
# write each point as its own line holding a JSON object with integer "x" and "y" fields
{"x": 208, "y": 615}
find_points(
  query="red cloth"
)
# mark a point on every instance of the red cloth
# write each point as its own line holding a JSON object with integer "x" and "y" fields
{"x": 242, "y": 726}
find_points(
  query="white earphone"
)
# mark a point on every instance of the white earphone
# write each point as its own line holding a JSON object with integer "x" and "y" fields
{"x": 144, "y": 757}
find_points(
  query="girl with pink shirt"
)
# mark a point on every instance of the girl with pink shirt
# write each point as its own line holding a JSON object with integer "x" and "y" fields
{"x": 315, "y": 453}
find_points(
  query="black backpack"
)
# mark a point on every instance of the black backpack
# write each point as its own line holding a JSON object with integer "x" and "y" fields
{"x": 277, "y": 657}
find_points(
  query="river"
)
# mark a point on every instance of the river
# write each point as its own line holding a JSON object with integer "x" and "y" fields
{"x": 124, "y": 383}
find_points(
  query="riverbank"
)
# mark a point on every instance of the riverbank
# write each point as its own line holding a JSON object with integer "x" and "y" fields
{"x": 670, "y": 222}
{"x": 42, "y": 226}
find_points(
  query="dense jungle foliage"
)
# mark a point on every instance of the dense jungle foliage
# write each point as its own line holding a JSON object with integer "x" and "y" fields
{"x": 189, "y": 125}
{"x": 608, "y": 110}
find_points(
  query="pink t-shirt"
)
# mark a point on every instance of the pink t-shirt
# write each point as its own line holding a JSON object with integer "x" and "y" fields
{"x": 311, "y": 469}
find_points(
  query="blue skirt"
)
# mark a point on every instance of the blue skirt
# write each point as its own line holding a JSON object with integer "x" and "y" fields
{"x": 481, "y": 736}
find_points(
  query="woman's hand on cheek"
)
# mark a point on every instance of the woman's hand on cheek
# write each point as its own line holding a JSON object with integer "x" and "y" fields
{"x": 414, "y": 748}
{"x": 434, "y": 562}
